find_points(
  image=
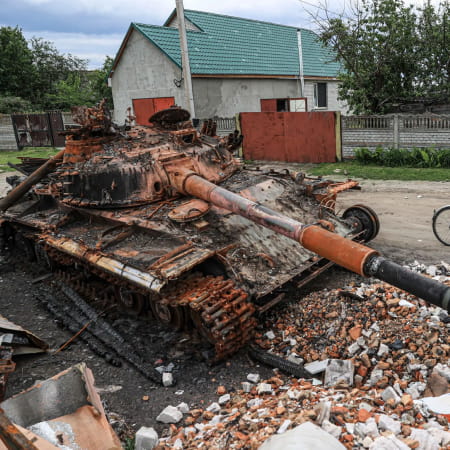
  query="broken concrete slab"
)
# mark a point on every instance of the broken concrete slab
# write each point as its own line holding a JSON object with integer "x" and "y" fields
{"x": 304, "y": 437}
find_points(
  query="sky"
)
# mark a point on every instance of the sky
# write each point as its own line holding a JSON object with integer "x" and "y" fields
{"x": 92, "y": 29}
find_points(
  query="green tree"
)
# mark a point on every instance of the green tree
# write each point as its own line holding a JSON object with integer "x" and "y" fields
{"x": 51, "y": 68}
{"x": 35, "y": 76}
{"x": 390, "y": 53}
{"x": 433, "y": 53}
{"x": 16, "y": 64}
{"x": 100, "y": 83}
{"x": 74, "y": 90}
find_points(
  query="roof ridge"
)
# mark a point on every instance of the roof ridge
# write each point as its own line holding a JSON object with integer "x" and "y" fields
{"x": 244, "y": 18}
{"x": 164, "y": 27}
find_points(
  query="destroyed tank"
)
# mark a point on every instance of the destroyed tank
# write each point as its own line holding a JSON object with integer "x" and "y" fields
{"x": 164, "y": 219}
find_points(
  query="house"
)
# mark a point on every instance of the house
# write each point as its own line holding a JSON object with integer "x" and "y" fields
{"x": 236, "y": 64}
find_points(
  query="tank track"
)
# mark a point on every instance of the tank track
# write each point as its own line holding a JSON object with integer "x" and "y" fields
{"x": 215, "y": 307}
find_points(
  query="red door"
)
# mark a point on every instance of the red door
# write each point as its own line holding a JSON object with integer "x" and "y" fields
{"x": 144, "y": 108}
{"x": 268, "y": 104}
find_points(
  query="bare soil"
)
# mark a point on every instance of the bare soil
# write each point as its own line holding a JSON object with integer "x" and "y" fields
{"x": 405, "y": 211}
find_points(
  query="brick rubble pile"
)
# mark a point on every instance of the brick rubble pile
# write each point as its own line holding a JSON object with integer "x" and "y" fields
{"x": 376, "y": 354}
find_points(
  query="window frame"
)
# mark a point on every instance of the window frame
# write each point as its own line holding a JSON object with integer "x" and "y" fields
{"x": 317, "y": 95}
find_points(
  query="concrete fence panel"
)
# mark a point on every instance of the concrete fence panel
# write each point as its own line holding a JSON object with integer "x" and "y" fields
{"x": 398, "y": 131}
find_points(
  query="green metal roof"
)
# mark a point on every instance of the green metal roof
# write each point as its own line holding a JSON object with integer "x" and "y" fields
{"x": 226, "y": 45}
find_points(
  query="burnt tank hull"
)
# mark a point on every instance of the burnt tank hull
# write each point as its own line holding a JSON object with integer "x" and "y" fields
{"x": 110, "y": 206}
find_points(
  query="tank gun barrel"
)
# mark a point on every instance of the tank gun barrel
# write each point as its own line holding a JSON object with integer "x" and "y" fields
{"x": 21, "y": 189}
{"x": 345, "y": 252}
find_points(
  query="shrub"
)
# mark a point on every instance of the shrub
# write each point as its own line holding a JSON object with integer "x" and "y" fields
{"x": 11, "y": 105}
{"x": 394, "y": 157}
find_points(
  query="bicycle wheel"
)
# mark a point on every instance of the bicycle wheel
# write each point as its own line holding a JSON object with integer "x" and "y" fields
{"x": 441, "y": 224}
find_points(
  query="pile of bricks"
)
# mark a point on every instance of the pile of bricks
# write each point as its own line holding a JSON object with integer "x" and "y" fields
{"x": 377, "y": 356}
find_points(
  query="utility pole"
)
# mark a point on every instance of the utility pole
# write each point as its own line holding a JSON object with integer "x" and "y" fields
{"x": 185, "y": 58}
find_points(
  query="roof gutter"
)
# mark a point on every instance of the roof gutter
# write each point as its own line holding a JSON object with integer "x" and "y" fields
{"x": 300, "y": 60}
{"x": 185, "y": 58}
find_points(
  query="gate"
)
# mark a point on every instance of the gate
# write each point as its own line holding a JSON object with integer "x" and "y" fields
{"x": 38, "y": 130}
{"x": 304, "y": 137}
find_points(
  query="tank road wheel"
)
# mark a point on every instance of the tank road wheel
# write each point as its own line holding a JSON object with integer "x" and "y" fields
{"x": 363, "y": 220}
{"x": 441, "y": 225}
{"x": 173, "y": 316}
{"x": 132, "y": 302}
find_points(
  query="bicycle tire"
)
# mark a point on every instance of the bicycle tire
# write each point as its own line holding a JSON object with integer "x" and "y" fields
{"x": 441, "y": 225}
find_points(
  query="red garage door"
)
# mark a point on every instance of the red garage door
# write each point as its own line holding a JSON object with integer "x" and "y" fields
{"x": 290, "y": 136}
{"x": 145, "y": 107}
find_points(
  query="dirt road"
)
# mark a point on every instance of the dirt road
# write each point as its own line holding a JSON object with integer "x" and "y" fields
{"x": 405, "y": 210}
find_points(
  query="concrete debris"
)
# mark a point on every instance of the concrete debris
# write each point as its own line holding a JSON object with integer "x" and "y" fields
{"x": 388, "y": 443}
{"x": 183, "y": 408}
{"x": 334, "y": 430}
{"x": 304, "y": 437}
{"x": 146, "y": 439}
{"x": 439, "y": 405}
{"x": 390, "y": 394}
{"x": 264, "y": 388}
{"x": 167, "y": 379}
{"x": 426, "y": 440}
{"x": 270, "y": 335}
{"x": 339, "y": 372}
{"x": 170, "y": 414}
{"x": 224, "y": 399}
{"x": 316, "y": 367}
{"x": 386, "y": 423}
{"x": 253, "y": 377}
{"x": 381, "y": 395}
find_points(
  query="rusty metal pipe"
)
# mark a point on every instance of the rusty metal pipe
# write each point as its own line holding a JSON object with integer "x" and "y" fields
{"x": 349, "y": 254}
{"x": 20, "y": 190}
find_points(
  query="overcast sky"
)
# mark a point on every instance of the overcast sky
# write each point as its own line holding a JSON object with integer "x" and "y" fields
{"x": 92, "y": 29}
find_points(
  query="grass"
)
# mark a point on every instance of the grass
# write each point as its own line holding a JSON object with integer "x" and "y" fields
{"x": 32, "y": 152}
{"x": 353, "y": 169}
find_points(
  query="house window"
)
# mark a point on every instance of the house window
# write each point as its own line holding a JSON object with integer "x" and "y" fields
{"x": 283, "y": 105}
{"x": 320, "y": 95}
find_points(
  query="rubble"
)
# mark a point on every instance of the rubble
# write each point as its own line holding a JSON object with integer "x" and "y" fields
{"x": 303, "y": 437}
{"x": 375, "y": 398}
{"x": 170, "y": 414}
{"x": 146, "y": 439}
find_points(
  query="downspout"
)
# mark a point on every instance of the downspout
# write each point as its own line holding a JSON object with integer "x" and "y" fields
{"x": 185, "y": 58}
{"x": 300, "y": 60}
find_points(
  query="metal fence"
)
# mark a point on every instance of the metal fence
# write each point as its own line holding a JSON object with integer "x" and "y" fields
{"x": 225, "y": 125}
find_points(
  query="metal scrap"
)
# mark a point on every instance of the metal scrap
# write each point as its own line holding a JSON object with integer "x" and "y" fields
{"x": 63, "y": 410}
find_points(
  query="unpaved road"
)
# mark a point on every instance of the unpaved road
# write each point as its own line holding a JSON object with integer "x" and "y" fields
{"x": 405, "y": 210}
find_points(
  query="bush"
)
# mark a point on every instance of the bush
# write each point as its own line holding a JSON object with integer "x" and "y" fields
{"x": 11, "y": 105}
{"x": 394, "y": 157}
